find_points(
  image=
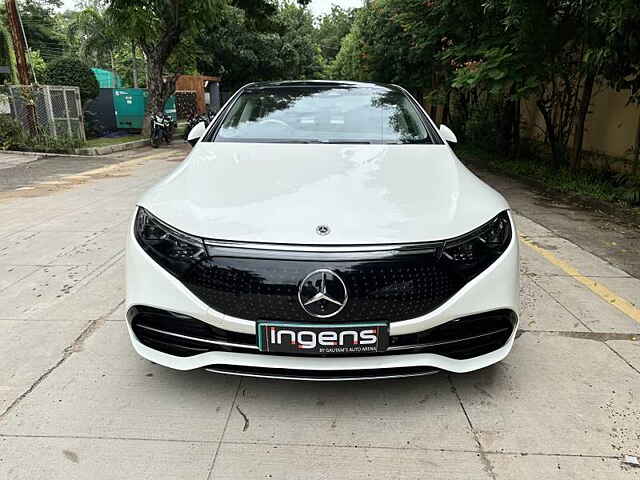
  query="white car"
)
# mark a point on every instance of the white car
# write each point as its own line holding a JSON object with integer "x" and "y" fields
{"x": 323, "y": 231}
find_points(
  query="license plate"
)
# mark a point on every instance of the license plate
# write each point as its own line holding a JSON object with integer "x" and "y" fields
{"x": 296, "y": 338}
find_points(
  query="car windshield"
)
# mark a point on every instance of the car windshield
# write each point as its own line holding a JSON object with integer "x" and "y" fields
{"x": 327, "y": 114}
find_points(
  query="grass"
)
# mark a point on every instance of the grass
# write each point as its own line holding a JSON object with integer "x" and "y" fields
{"x": 592, "y": 183}
{"x": 103, "y": 142}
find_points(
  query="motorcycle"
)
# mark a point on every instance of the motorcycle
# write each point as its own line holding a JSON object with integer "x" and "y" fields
{"x": 162, "y": 127}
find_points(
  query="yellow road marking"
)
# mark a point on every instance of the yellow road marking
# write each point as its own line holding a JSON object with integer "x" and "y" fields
{"x": 603, "y": 292}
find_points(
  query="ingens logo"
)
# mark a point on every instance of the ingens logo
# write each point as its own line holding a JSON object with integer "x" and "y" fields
{"x": 307, "y": 339}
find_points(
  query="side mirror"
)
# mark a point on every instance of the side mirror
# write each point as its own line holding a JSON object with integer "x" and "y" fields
{"x": 195, "y": 133}
{"x": 447, "y": 135}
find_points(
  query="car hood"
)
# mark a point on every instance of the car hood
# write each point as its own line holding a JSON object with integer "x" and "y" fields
{"x": 365, "y": 194}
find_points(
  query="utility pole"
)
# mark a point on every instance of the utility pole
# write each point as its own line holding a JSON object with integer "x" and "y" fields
{"x": 20, "y": 48}
{"x": 19, "y": 44}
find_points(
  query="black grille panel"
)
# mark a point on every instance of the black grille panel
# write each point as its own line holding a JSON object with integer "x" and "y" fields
{"x": 398, "y": 288}
{"x": 183, "y": 336}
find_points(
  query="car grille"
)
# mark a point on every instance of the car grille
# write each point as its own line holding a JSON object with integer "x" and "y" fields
{"x": 183, "y": 336}
{"x": 391, "y": 288}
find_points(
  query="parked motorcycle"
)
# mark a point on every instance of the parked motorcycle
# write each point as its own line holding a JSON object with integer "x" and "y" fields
{"x": 162, "y": 127}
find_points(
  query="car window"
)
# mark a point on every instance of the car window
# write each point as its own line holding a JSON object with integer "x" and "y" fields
{"x": 337, "y": 114}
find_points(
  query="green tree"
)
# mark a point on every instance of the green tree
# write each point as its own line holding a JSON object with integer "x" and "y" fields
{"x": 160, "y": 26}
{"x": 298, "y": 48}
{"x": 96, "y": 36}
{"x": 280, "y": 46}
{"x": 332, "y": 28}
{"x": 72, "y": 71}
{"x": 41, "y": 27}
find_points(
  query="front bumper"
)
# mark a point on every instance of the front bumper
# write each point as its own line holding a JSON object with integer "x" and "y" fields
{"x": 496, "y": 288}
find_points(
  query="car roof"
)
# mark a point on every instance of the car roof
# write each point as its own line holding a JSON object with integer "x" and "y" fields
{"x": 318, "y": 83}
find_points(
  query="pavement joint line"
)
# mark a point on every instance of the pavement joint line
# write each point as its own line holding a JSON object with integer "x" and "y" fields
{"x": 224, "y": 430}
{"x": 486, "y": 463}
{"x": 578, "y": 319}
{"x": 597, "y": 336}
{"x": 423, "y": 449}
{"x": 45, "y": 320}
{"x": 315, "y": 445}
{"x": 89, "y": 329}
{"x": 622, "y": 358}
{"x": 545, "y": 275}
{"x": 600, "y": 290}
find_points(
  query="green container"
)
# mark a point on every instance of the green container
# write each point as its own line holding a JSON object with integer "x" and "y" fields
{"x": 130, "y": 104}
{"x": 106, "y": 78}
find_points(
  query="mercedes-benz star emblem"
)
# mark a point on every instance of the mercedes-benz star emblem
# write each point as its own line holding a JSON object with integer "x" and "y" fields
{"x": 323, "y": 230}
{"x": 322, "y": 294}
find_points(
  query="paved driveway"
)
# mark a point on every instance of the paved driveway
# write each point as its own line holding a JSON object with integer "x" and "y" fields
{"x": 77, "y": 403}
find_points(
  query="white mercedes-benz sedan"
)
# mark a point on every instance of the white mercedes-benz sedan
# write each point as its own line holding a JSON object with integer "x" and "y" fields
{"x": 322, "y": 231}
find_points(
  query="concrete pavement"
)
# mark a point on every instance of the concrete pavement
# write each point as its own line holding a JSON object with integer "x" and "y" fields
{"x": 76, "y": 402}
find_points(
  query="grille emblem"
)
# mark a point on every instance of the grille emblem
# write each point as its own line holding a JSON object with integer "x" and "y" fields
{"x": 323, "y": 230}
{"x": 322, "y": 293}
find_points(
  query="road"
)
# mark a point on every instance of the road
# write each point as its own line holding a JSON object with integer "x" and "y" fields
{"x": 76, "y": 402}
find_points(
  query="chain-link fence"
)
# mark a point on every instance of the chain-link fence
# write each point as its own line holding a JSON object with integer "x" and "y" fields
{"x": 45, "y": 109}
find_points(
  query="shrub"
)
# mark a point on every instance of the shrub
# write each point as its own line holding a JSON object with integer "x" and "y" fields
{"x": 71, "y": 71}
{"x": 10, "y": 133}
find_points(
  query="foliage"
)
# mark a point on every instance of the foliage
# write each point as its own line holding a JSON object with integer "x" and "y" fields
{"x": 41, "y": 27}
{"x": 7, "y": 56}
{"x": 95, "y": 34}
{"x": 297, "y": 42}
{"x": 284, "y": 47}
{"x": 332, "y": 28}
{"x": 71, "y": 71}
{"x": 37, "y": 63}
{"x": 601, "y": 183}
{"x": 10, "y": 133}
{"x": 14, "y": 137}
{"x": 349, "y": 62}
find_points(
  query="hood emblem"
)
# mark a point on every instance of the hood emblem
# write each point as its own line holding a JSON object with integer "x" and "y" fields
{"x": 323, "y": 230}
{"x": 322, "y": 293}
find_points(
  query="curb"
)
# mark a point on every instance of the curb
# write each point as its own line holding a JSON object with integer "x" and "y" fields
{"x": 118, "y": 147}
{"x": 40, "y": 155}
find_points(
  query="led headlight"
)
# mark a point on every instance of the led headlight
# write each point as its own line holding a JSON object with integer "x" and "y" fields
{"x": 174, "y": 250}
{"x": 470, "y": 254}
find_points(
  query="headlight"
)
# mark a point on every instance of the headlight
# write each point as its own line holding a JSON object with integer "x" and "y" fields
{"x": 472, "y": 253}
{"x": 174, "y": 250}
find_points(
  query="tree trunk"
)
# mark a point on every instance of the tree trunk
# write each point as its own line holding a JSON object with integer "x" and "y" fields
{"x": 159, "y": 88}
{"x": 505, "y": 127}
{"x": 419, "y": 93}
{"x": 516, "y": 129}
{"x": 635, "y": 167}
{"x": 134, "y": 63}
{"x": 583, "y": 111}
{"x": 113, "y": 65}
{"x": 556, "y": 151}
{"x": 446, "y": 107}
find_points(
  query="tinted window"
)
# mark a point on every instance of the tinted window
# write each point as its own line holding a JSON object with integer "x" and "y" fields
{"x": 323, "y": 115}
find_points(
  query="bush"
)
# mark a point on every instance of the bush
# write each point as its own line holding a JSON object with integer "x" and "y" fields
{"x": 481, "y": 128}
{"x": 10, "y": 133}
{"x": 71, "y": 71}
{"x": 14, "y": 137}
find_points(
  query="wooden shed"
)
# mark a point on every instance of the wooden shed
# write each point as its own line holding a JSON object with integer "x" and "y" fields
{"x": 196, "y": 83}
